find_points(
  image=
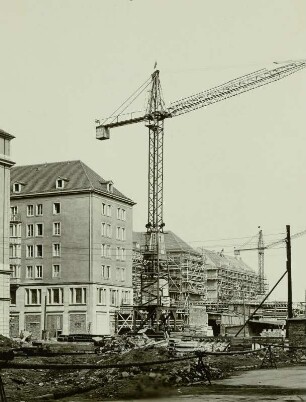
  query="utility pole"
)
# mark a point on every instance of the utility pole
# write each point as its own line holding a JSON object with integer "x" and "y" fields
{"x": 288, "y": 247}
{"x": 261, "y": 256}
{"x": 243, "y": 316}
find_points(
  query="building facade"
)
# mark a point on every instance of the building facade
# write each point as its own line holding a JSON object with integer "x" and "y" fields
{"x": 229, "y": 279}
{"x": 70, "y": 250}
{"x": 5, "y": 166}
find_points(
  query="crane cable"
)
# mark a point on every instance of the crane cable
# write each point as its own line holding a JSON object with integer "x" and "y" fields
{"x": 145, "y": 85}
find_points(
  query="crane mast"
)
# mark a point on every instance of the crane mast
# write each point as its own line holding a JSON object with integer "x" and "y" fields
{"x": 261, "y": 247}
{"x": 261, "y": 269}
{"x": 154, "y": 277}
{"x": 156, "y": 162}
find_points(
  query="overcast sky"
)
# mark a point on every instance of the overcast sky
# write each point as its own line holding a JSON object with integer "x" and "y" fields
{"x": 228, "y": 168}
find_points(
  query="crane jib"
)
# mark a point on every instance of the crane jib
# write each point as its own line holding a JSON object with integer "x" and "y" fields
{"x": 233, "y": 88}
{"x": 102, "y": 131}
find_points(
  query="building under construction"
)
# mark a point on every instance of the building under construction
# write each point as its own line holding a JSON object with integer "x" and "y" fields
{"x": 233, "y": 289}
{"x": 186, "y": 271}
{"x": 184, "y": 293}
{"x": 230, "y": 279}
{"x": 199, "y": 281}
{"x": 199, "y": 276}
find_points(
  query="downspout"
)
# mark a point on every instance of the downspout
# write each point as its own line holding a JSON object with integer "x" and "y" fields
{"x": 90, "y": 237}
{"x": 90, "y": 296}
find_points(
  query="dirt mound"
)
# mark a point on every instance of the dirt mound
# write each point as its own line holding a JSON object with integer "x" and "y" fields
{"x": 7, "y": 343}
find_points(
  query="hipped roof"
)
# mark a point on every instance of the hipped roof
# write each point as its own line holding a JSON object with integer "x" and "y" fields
{"x": 41, "y": 179}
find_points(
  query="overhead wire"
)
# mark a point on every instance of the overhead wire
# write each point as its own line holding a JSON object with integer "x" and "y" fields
{"x": 120, "y": 242}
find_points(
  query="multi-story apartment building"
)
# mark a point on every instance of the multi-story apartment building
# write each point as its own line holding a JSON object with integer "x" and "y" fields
{"x": 70, "y": 249}
{"x": 5, "y": 165}
{"x": 229, "y": 278}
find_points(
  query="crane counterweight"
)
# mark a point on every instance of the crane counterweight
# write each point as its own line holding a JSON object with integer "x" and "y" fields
{"x": 102, "y": 133}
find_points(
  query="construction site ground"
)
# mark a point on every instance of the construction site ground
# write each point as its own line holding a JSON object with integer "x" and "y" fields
{"x": 175, "y": 380}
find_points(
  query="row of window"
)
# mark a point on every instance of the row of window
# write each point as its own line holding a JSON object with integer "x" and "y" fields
{"x": 106, "y": 252}
{"x": 55, "y": 296}
{"x": 107, "y": 211}
{"x": 59, "y": 184}
{"x": 36, "y": 251}
{"x": 31, "y": 229}
{"x": 37, "y": 229}
{"x": 38, "y": 248}
{"x": 106, "y": 231}
{"x": 114, "y": 297}
{"x": 37, "y": 209}
{"x": 33, "y": 251}
{"x": 106, "y": 273}
{"x": 34, "y": 271}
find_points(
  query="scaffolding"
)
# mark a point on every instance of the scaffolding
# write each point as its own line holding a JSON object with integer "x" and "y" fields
{"x": 187, "y": 279}
{"x": 230, "y": 279}
{"x": 186, "y": 286}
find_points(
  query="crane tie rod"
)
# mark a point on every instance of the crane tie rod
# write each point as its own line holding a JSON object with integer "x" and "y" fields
{"x": 134, "y": 95}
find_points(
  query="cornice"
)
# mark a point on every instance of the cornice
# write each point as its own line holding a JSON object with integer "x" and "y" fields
{"x": 4, "y": 160}
{"x": 72, "y": 192}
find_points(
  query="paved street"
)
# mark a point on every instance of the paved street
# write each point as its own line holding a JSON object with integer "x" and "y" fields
{"x": 289, "y": 377}
{"x": 283, "y": 384}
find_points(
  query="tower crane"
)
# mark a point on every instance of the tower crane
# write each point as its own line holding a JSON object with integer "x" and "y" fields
{"x": 154, "y": 273}
{"x": 261, "y": 247}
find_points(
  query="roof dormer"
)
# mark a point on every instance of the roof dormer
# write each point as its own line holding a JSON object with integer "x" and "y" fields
{"x": 110, "y": 186}
{"x": 60, "y": 183}
{"x": 17, "y": 187}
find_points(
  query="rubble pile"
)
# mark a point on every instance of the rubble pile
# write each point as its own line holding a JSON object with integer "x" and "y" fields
{"x": 183, "y": 345}
{"x": 125, "y": 343}
{"x": 7, "y": 343}
{"x": 128, "y": 382}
